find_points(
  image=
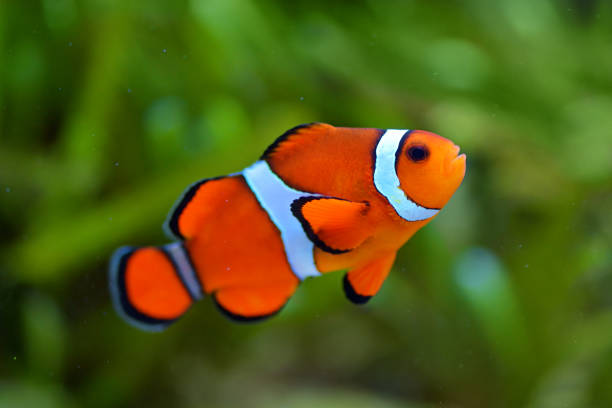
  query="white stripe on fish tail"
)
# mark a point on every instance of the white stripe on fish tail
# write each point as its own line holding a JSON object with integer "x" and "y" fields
{"x": 387, "y": 182}
{"x": 184, "y": 269}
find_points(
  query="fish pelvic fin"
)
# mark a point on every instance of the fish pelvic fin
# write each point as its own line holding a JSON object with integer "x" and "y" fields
{"x": 363, "y": 282}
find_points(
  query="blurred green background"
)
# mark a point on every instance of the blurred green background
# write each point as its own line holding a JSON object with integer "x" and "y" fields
{"x": 109, "y": 109}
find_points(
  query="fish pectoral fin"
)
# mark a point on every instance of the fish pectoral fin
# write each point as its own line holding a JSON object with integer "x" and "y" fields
{"x": 363, "y": 282}
{"x": 333, "y": 224}
{"x": 253, "y": 303}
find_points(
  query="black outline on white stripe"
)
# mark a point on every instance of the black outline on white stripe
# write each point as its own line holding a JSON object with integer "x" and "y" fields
{"x": 400, "y": 147}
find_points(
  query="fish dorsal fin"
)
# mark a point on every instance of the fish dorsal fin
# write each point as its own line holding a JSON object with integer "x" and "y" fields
{"x": 296, "y": 136}
{"x": 333, "y": 224}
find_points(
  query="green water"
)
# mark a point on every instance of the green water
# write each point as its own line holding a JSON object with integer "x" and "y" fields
{"x": 109, "y": 109}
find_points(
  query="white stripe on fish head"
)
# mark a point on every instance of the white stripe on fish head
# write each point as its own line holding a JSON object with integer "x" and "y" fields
{"x": 387, "y": 182}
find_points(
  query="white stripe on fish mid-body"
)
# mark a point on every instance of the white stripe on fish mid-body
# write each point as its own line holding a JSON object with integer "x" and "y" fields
{"x": 276, "y": 198}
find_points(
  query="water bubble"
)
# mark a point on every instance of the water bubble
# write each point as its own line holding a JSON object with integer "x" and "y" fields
{"x": 117, "y": 164}
{"x": 478, "y": 271}
{"x": 301, "y": 98}
{"x": 129, "y": 90}
{"x": 164, "y": 50}
{"x": 8, "y": 189}
{"x": 70, "y": 43}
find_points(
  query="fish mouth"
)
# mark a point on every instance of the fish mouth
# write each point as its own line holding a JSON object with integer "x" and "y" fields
{"x": 462, "y": 156}
{"x": 456, "y": 151}
{"x": 456, "y": 161}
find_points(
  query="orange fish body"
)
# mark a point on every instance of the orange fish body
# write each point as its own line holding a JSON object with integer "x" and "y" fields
{"x": 320, "y": 199}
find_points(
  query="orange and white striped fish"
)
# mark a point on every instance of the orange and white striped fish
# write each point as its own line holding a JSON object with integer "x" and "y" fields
{"x": 320, "y": 199}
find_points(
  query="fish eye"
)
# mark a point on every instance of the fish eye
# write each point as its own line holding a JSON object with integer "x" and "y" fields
{"x": 417, "y": 153}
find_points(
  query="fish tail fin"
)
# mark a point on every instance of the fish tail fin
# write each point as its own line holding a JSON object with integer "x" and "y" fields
{"x": 151, "y": 287}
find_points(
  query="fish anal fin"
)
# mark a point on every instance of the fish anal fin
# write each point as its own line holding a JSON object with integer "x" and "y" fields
{"x": 200, "y": 201}
{"x": 254, "y": 303}
{"x": 363, "y": 282}
{"x": 294, "y": 137}
{"x": 335, "y": 225}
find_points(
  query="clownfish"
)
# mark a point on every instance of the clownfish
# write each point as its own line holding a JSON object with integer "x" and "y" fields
{"x": 320, "y": 199}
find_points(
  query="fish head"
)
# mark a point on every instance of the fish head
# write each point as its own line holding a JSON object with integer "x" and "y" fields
{"x": 429, "y": 168}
